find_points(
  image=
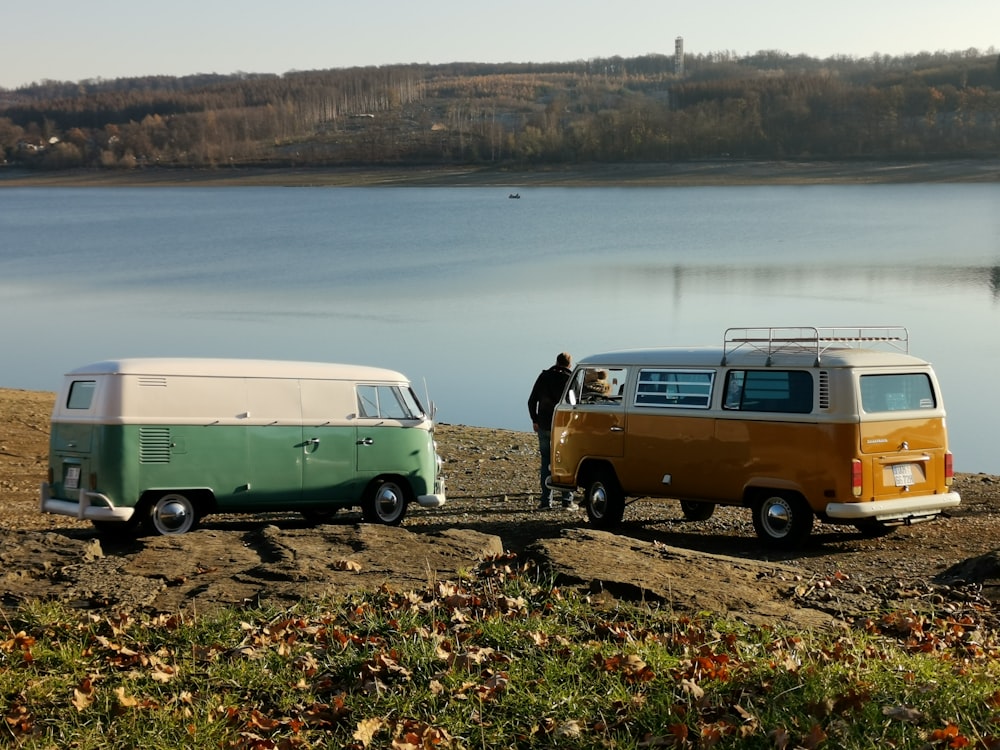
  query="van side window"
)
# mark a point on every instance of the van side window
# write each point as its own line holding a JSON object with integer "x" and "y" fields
{"x": 781, "y": 391}
{"x": 896, "y": 392}
{"x": 688, "y": 389}
{"x": 81, "y": 394}
{"x": 387, "y": 402}
{"x": 597, "y": 385}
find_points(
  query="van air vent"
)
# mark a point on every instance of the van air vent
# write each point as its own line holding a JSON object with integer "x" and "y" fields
{"x": 154, "y": 445}
{"x": 154, "y": 381}
{"x": 824, "y": 389}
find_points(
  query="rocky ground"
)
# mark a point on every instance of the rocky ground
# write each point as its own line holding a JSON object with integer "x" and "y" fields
{"x": 949, "y": 566}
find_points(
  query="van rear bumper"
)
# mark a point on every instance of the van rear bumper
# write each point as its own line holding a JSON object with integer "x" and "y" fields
{"x": 85, "y": 508}
{"x": 902, "y": 510}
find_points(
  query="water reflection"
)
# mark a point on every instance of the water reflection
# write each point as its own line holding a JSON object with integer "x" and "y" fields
{"x": 652, "y": 277}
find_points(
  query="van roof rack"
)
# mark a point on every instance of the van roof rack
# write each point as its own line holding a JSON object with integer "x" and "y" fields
{"x": 812, "y": 340}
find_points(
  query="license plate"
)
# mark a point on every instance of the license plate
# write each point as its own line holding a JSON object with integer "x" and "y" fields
{"x": 902, "y": 474}
{"x": 72, "y": 480}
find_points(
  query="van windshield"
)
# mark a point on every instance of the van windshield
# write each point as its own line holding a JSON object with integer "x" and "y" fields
{"x": 897, "y": 392}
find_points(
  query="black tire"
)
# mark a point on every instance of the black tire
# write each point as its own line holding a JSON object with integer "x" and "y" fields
{"x": 604, "y": 499}
{"x": 385, "y": 503}
{"x": 170, "y": 514}
{"x": 695, "y": 511}
{"x": 782, "y": 519}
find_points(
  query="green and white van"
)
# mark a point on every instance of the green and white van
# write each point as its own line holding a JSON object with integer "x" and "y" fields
{"x": 156, "y": 444}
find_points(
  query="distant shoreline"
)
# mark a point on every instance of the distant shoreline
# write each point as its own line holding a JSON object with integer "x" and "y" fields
{"x": 675, "y": 174}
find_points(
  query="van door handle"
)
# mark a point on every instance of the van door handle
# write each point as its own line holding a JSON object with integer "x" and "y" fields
{"x": 313, "y": 441}
{"x": 617, "y": 428}
{"x": 366, "y": 441}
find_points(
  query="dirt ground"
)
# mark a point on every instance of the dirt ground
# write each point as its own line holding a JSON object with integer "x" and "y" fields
{"x": 715, "y": 565}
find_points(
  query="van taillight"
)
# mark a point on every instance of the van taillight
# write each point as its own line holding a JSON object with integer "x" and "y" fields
{"x": 856, "y": 477}
{"x": 52, "y": 475}
{"x": 949, "y": 468}
{"x": 93, "y": 482}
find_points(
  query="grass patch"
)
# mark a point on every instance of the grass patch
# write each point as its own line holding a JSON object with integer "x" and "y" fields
{"x": 501, "y": 659}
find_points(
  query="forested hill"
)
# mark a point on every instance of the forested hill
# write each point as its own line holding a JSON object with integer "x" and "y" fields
{"x": 764, "y": 106}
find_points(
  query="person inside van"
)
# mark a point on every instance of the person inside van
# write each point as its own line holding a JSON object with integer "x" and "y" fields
{"x": 595, "y": 385}
{"x": 545, "y": 394}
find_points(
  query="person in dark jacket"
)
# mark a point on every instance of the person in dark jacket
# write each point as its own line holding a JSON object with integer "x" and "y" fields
{"x": 545, "y": 394}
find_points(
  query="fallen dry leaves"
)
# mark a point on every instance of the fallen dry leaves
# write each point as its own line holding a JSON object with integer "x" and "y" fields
{"x": 367, "y": 633}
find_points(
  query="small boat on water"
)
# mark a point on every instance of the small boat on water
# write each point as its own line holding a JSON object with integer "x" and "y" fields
{"x": 514, "y": 195}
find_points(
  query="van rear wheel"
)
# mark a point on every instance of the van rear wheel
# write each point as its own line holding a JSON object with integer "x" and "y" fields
{"x": 782, "y": 519}
{"x": 385, "y": 503}
{"x": 172, "y": 513}
{"x": 604, "y": 499}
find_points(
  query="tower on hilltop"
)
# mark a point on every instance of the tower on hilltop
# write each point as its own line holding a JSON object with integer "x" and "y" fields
{"x": 679, "y": 56}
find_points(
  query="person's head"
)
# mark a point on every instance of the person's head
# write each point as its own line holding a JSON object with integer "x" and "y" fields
{"x": 564, "y": 360}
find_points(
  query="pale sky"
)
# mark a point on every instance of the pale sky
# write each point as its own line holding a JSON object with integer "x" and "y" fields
{"x": 70, "y": 40}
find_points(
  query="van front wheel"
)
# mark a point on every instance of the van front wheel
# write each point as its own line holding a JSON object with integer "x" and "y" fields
{"x": 782, "y": 519}
{"x": 172, "y": 513}
{"x": 384, "y": 503}
{"x": 604, "y": 499}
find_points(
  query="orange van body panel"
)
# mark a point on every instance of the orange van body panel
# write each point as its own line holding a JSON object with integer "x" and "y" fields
{"x": 720, "y": 460}
{"x": 680, "y": 449}
{"x": 595, "y": 433}
{"x": 922, "y": 443}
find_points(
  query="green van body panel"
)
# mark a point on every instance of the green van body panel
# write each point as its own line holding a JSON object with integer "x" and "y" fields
{"x": 274, "y": 440}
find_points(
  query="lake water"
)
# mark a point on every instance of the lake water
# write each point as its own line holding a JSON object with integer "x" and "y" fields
{"x": 471, "y": 294}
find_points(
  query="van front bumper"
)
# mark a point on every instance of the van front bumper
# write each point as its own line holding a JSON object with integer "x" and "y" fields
{"x": 430, "y": 501}
{"x": 904, "y": 510}
{"x": 433, "y": 501}
{"x": 85, "y": 509}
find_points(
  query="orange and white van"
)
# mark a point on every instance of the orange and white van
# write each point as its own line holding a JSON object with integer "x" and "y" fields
{"x": 839, "y": 424}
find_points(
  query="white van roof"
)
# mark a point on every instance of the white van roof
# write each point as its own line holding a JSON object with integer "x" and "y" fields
{"x": 243, "y": 368}
{"x": 716, "y": 356}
